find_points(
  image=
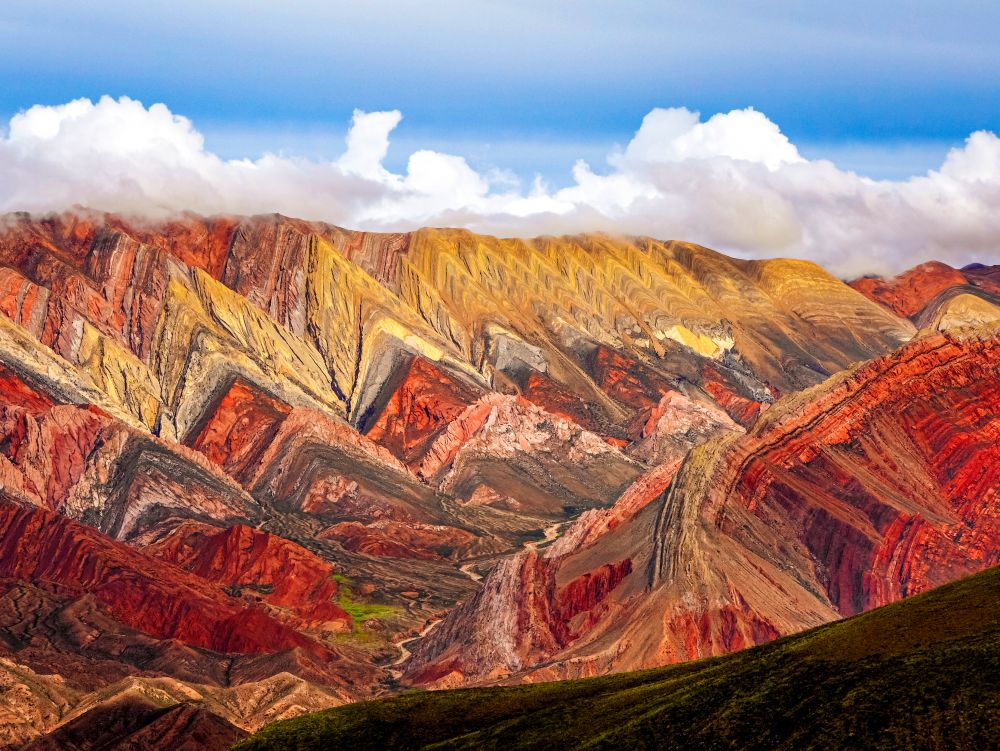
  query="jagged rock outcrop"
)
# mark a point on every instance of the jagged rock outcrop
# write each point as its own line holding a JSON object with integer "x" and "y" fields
{"x": 418, "y": 408}
{"x": 88, "y": 466}
{"x": 235, "y": 433}
{"x": 504, "y": 450}
{"x": 675, "y": 426}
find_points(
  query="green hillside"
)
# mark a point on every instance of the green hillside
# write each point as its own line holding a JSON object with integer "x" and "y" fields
{"x": 923, "y": 673}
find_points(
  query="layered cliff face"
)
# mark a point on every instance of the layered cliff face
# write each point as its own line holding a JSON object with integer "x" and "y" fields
{"x": 234, "y": 450}
{"x": 266, "y": 344}
{"x": 880, "y": 483}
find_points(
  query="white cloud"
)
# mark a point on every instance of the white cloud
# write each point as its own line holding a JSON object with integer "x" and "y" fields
{"x": 733, "y": 182}
{"x": 368, "y": 143}
{"x": 677, "y": 135}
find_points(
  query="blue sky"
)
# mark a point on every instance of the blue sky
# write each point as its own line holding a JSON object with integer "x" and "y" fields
{"x": 862, "y": 135}
{"x": 880, "y": 87}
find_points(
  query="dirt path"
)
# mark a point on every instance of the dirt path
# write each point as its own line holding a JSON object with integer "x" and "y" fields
{"x": 466, "y": 568}
{"x": 404, "y": 652}
{"x": 551, "y": 533}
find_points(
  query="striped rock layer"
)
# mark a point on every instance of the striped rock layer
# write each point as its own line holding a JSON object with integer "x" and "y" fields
{"x": 243, "y": 459}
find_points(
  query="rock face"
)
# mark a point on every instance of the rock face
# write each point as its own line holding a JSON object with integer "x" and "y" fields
{"x": 503, "y": 450}
{"x": 418, "y": 408}
{"x": 239, "y": 429}
{"x": 287, "y": 575}
{"x": 906, "y": 294}
{"x": 880, "y": 483}
{"x": 138, "y": 591}
{"x": 249, "y": 457}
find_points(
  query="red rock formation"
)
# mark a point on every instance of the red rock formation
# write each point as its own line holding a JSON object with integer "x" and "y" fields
{"x": 323, "y": 467}
{"x": 628, "y": 381}
{"x": 880, "y": 483}
{"x": 287, "y": 575}
{"x": 15, "y": 392}
{"x": 675, "y": 426}
{"x": 418, "y": 408}
{"x": 239, "y": 429}
{"x": 142, "y": 592}
{"x": 385, "y": 538}
{"x": 164, "y": 381}
{"x": 741, "y": 408}
{"x": 200, "y": 242}
{"x": 906, "y": 294}
{"x": 583, "y": 594}
{"x": 84, "y": 463}
{"x": 44, "y": 454}
{"x": 378, "y": 253}
{"x": 594, "y": 524}
{"x": 69, "y": 236}
{"x": 526, "y": 612}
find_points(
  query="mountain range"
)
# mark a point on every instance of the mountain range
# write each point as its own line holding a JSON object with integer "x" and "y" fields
{"x": 252, "y": 467}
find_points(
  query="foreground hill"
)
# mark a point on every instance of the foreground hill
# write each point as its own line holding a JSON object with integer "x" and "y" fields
{"x": 923, "y": 673}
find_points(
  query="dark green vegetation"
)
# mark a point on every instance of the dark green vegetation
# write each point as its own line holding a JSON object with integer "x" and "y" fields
{"x": 923, "y": 673}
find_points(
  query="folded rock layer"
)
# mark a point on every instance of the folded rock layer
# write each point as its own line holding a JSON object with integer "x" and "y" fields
{"x": 246, "y": 461}
{"x": 879, "y": 483}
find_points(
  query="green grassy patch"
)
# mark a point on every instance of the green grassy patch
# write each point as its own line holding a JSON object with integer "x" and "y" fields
{"x": 361, "y": 611}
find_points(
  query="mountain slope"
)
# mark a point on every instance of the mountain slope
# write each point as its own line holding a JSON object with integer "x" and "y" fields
{"x": 923, "y": 673}
{"x": 919, "y": 294}
{"x": 879, "y": 483}
{"x": 296, "y": 376}
{"x": 306, "y": 445}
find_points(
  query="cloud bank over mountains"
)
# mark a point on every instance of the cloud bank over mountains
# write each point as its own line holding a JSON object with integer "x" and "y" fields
{"x": 733, "y": 182}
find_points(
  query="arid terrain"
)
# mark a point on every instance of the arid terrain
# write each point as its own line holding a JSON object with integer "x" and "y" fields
{"x": 253, "y": 467}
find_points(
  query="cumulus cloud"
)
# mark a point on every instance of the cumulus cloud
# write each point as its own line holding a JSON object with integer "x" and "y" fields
{"x": 733, "y": 182}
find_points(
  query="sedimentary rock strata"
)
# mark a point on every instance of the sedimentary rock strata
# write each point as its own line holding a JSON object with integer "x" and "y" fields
{"x": 879, "y": 483}
{"x": 918, "y": 291}
{"x": 244, "y": 459}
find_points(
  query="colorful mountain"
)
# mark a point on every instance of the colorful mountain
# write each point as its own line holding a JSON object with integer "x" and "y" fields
{"x": 246, "y": 461}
